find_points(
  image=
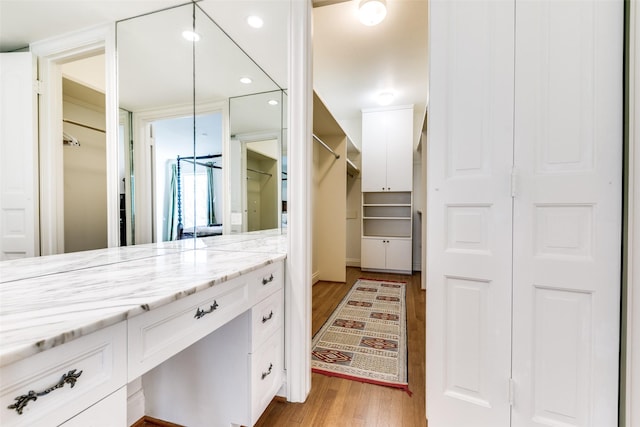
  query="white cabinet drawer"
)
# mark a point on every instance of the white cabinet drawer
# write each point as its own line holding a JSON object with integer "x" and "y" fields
{"x": 266, "y": 317}
{"x": 94, "y": 366}
{"x": 161, "y": 333}
{"x": 109, "y": 412}
{"x": 268, "y": 280}
{"x": 266, "y": 374}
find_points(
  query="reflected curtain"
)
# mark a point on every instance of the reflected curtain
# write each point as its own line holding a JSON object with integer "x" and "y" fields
{"x": 211, "y": 212}
{"x": 172, "y": 204}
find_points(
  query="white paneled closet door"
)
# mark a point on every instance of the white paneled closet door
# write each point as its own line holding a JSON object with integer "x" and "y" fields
{"x": 567, "y": 212}
{"x": 469, "y": 213}
{"x": 19, "y": 236}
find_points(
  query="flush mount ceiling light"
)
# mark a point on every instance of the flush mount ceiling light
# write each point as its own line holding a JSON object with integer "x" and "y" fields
{"x": 372, "y": 12}
{"x": 191, "y": 35}
{"x": 385, "y": 98}
{"x": 245, "y": 80}
{"x": 272, "y": 102}
{"x": 255, "y": 21}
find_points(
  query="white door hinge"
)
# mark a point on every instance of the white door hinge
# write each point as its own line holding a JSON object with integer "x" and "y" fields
{"x": 38, "y": 86}
{"x": 512, "y": 387}
{"x": 514, "y": 181}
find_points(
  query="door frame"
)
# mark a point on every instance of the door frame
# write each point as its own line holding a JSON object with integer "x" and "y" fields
{"x": 630, "y": 387}
{"x": 52, "y": 53}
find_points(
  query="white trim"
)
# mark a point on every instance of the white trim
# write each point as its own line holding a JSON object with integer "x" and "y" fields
{"x": 298, "y": 264}
{"x": 143, "y": 171}
{"x": 52, "y": 53}
{"x": 632, "y": 395}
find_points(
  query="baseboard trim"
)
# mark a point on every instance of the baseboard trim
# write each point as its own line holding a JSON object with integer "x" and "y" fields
{"x": 315, "y": 278}
{"x": 353, "y": 262}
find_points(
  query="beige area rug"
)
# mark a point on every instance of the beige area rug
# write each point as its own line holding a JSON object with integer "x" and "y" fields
{"x": 365, "y": 338}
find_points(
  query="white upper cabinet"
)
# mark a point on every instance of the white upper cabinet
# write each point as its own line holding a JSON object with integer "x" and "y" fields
{"x": 387, "y": 149}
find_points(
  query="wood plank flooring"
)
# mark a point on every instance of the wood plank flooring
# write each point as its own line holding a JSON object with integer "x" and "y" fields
{"x": 338, "y": 402}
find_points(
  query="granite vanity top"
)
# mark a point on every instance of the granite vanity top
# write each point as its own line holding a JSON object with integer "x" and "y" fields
{"x": 47, "y": 301}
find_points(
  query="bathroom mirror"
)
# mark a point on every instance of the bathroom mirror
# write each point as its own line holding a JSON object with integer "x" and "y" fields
{"x": 179, "y": 74}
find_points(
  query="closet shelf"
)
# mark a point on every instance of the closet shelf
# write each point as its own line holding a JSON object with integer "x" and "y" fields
{"x": 352, "y": 169}
{"x": 402, "y": 205}
{"x": 388, "y": 217}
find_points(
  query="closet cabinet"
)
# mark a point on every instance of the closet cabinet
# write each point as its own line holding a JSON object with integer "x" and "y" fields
{"x": 387, "y": 149}
{"x": 386, "y": 253}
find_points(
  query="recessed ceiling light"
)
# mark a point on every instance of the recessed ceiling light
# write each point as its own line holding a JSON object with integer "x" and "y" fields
{"x": 372, "y": 12}
{"x": 255, "y": 21}
{"x": 245, "y": 80}
{"x": 385, "y": 98}
{"x": 273, "y": 102}
{"x": 191, "y": 35}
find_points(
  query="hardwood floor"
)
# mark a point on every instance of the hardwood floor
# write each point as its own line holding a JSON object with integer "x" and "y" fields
{"x": 339, "y": 402}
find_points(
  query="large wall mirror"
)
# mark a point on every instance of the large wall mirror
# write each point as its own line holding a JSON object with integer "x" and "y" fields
{"x": 192, "y": 125}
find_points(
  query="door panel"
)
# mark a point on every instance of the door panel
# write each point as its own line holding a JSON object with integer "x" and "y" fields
{"x": 398, "y": 254}
{"x": 374, "y": 153}
{"x": 469, "y": 213}
{"x": 18, "y": 157}
{"x": 399, "y": 151}
{"x": 373, "y": 254}
{"x": 567, "y": 212}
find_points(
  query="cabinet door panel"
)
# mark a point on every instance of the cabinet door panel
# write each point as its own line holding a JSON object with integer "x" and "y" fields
{"x": 373, "y": 254}
{"x": 398, "y": 254}
{"x": 374, "y": 153}
{"x": 400, "y": 150}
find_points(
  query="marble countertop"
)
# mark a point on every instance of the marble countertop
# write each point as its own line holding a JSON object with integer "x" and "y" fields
{"x": 47, "y": 301}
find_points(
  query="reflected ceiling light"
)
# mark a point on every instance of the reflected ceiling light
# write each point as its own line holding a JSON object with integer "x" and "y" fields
{"x": 273, "y": 102}
{"x": 372, "y": 12}
{"x": 255, "y": 21}
{"x": 191, "y": 35}
{"x": 385, "y": 98}
{"x": 245, "y": 80}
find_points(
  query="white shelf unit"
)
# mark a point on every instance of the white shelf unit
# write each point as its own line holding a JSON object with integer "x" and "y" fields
{"x": 387, "y": 231}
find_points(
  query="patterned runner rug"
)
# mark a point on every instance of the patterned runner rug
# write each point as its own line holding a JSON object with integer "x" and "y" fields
{"x": 365, "y": 338}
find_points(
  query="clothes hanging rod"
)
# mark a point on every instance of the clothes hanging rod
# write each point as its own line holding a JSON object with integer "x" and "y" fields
{"x": 71, "y": 122}
{"x": 208, "y": 156}
{"x": 325, "y": 146}
{"x": 206, "y": 165}
{"x": 260, "y": 172}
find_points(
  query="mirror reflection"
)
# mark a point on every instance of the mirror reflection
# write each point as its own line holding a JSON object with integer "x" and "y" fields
{"x": 192, "y": 95}
{"x": 255, "y": 154}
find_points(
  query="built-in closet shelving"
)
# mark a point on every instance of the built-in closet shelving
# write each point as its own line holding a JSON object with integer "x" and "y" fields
{"x": 330, "y": 172}
{"x": 386, "y": 214}
{"x": 387, "y": 198}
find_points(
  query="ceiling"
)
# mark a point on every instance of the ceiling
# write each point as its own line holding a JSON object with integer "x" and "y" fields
{"x": 352, "y": 62}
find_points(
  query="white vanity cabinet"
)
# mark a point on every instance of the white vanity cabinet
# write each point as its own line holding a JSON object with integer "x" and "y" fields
{"x": 66, "y": 380}
{"x": 229, "y": 376}
{"x": 387, "y": 149}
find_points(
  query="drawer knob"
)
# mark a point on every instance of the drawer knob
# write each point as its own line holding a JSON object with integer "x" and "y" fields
{"x": 201, "y": 313}
{"x": 269, "y": 280}
{"x": 21, "y": 401}
{"x": 265, "y": 319}
{"x": 266, "y": 374}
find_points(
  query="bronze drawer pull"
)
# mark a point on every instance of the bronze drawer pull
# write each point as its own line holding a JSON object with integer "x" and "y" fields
{"x": 267, "y": 318}
{"x": 21, "y": 401}
{"x": 269, "y": 280}
{"x": 266, "y": 374}
{"x": 200, "y": 313}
